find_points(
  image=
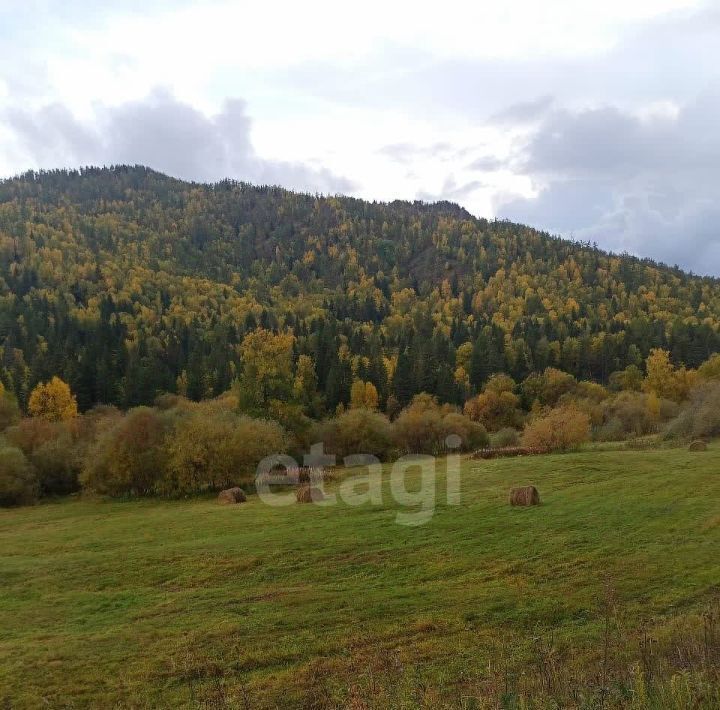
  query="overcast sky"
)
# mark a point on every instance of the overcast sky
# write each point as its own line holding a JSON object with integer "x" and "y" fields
{"x": 595, "y": 120}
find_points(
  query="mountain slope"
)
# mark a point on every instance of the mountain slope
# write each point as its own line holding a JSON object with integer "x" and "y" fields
{"x": 126, "y": 283}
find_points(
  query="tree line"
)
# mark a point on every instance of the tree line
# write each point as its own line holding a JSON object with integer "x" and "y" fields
{"x": 179, "y": 447}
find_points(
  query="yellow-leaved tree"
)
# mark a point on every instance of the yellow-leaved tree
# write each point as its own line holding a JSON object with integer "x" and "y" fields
{"x": 53, "y": 401}
{"x": 664, "y": 379}
{"x": 363, "y": 395}
{"x": 267, "y": 370}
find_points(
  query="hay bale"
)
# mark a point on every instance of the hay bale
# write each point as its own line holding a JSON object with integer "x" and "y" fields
{"x": 698, "y": 445}
{"x": 526, "y": 495}
{"x": 231, "y": 496}
{"x": 309, "y": 494}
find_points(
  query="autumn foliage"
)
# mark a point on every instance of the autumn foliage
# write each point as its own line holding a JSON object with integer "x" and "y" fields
{"x": 53, "y": 401}
{"x": 560, "y": 429}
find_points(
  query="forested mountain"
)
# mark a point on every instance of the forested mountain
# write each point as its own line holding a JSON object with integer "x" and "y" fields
{"x": 127, "y": 283}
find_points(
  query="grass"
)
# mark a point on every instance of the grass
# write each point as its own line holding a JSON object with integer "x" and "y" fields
{"x": 170, "y": 604}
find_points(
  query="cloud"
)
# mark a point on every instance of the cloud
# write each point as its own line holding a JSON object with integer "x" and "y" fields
{"x": 523, "y": 112}
{"x": 405, "y": 153}
{"x": 673, "y": 55}
{"x": 452, "y": 191}
{"x": 647, "y": 184}
{"x": 487, "y": 163}
{"x": 164, "y": 133}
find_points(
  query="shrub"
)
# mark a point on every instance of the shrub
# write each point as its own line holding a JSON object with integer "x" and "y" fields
{"x": 494, "y": 410}
{"x": 358, "y": 431}
{"x": 500, "y": 382}
{"x": 18, "y": 484}
{"x": 681, "y": 427}
{"x": 701, "y": 417}
{"x": 611, "y": 430}
{"x": 590, "y": 391}
{"x": 127, "y": 458}
{"x": 560, "y": 429}
{"x": 423, "y": 427}
{"x": 505, "y": 437}
{"x": 547, "y": 387}
{"x": 418, "y": 428}
{"x": 631, "y": 379}
{"x": 710, "y": 369}
{"x": 57, "y": 466}
{"x": 167, "y": 400}
{"x": 293, "y": 420}
{"x": 29, "y": 434}
{"x": 630, "y": 414}
{"x": 473, "y": 435}
{"x": 199, "y": 452}
{"x": 55, "y": 450}
{"x": 214, "y": 451}
{"x": 254, "y": 439}
{"x": 94, "y": 422}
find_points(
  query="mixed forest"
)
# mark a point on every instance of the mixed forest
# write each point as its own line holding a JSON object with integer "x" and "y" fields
{"x": 149, "y": 310}
{"x": 127, "y": 284}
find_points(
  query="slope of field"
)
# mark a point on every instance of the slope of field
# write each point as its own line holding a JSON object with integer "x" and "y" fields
{"x": 147, "y": 604}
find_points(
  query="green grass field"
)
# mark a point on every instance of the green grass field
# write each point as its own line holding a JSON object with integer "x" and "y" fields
{"x": 166, "y": 604}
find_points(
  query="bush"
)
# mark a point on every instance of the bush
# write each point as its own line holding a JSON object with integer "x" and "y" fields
{"x": 505, "y": 437}
{"x": 127, "y": 458}
{"x": 55, "y": 450}
{"x": 418, "y": 428}
{"x": 547, "y": 387}
{"x": 200, "y": 454}
{"x": 560, "y": 429}
{"x": 631, "y": 379}
{"x": 473, "y": 435}
{"x": 18, "y": 484}
{"x": 611, "y": 430}
{"x": 710, "y": 369}
{"x": 29, "y": 434}
{"x": 358, "y": 431}
{"x": 423, "y": 427}
{"x": 87, "y": 428}
{"x": 701, "y": 417}
{"x": 630, "y": 414}
{"x": 681, "y": 427}
{"x": 255, "y": 439}
{"x": 214, "y": 451}
{"x": 494, "y": 410}
{"x": 57, "y": 466}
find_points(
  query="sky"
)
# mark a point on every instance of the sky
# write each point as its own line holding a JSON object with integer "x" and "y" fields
{"x": 598, "y": 121}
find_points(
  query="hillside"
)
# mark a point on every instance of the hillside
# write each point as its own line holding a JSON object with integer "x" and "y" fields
{"x": 127, "y": 283}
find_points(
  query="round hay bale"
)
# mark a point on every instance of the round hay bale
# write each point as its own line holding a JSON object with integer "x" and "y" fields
{"x": 309, "y": 494}
{"x": 230, "y": 496}
{"x": 526, "y": 495}
{"x": 698, "y": 445}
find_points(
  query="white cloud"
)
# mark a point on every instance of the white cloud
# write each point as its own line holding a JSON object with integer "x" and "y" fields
{"x": 167, "y": 134}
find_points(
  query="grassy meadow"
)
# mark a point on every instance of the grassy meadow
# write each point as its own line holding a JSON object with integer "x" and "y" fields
{"x": 603, "y": 596}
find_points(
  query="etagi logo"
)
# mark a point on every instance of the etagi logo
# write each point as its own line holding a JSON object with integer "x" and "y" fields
{"x": 281, "y": 471}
